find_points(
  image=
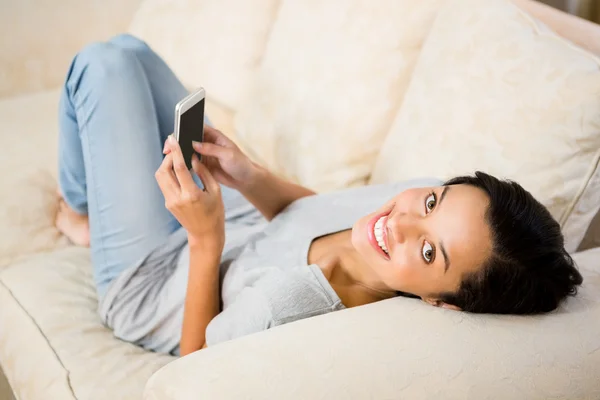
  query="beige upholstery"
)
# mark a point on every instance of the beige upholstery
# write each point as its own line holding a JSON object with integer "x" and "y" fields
{"x": 213, "y": 44}
{"x": 38, "y": 38}
{"x": 52, "y": 344}
{"x": 429, "y": 354}
{"x": 505, "y": 95}
{"x": 581, "y": 32}
{"x": 322, "y": 93}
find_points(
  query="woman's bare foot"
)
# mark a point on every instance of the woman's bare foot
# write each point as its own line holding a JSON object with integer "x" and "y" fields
{"x": 74, "y": 226}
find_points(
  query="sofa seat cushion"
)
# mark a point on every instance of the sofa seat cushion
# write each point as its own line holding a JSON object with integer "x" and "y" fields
{"x": 28, "y": 172}
{"x": 496, "y": 90}
{"x": 53, "y": 344}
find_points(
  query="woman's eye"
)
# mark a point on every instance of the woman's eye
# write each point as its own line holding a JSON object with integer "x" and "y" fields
{"x": 427, "y": 253}
{"x": 430, "y": 203}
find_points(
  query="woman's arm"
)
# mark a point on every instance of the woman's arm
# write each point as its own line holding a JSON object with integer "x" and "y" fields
{"x": 231, "y": 167}
{"x": 202, "y": 214}
{"x": 270, "y": 194}
{"x": 202, "y": 297}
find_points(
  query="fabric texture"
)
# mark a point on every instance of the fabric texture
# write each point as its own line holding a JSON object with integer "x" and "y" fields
{"x": 39, "y": 39}
{"x": 430, "y": 354}
{"x": 505, "y": 95}
{"x": 50, "y": 330}
{"x": 29, "y": 202}
{"x": 332, "y": 78}
{"x": 58, "y": 347}
{"x": 213, "y": 44}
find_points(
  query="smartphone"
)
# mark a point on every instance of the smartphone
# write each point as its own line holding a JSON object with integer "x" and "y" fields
{"x": 189, "y": 123}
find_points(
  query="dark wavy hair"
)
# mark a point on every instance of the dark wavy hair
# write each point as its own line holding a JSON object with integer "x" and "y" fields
{"x": 529, "y": 270}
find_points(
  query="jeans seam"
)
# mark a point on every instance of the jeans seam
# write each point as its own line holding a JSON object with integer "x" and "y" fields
{"x": 79, "y": 107}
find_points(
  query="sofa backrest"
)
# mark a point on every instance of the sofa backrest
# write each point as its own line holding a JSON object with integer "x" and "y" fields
{"x": 332, "y": 78}
{"x": 579, "y": 31}
{"x": 216, "y": 44}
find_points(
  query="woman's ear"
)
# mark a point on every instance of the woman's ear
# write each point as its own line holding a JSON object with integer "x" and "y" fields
{"x": 439, "y": 303}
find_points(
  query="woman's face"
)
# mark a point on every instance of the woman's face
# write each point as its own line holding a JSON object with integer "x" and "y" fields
{"x": 433, "y": 237}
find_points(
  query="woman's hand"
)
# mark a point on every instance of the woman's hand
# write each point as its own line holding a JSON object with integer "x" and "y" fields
{"x": 200, "y": 212}
{"x": 224, "y": 159}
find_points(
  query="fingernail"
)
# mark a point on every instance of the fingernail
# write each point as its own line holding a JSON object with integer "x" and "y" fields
{"x": 172, "y": 138}
{"x": 197, "y": 144}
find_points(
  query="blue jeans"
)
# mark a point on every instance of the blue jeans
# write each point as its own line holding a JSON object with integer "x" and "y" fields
{"x": 116, "y": 111}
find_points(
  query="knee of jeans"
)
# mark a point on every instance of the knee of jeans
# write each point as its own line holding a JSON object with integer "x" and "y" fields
{"x": 101, "y": 60}
{"x": 128, "y": 41}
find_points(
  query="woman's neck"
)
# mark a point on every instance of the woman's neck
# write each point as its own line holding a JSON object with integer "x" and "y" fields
{"x": 350, "y": 276}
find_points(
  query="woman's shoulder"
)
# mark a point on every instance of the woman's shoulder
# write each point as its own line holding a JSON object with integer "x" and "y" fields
{"x": 271, "y": 298}
{"x": 296, "y": 293}
{"x": 356, "y": 200}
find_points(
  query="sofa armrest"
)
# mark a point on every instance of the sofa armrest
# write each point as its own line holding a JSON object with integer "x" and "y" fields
{"x": 402, "y": 348}
{"x": 39, "y": 38}
{"x": 578, "y": 30}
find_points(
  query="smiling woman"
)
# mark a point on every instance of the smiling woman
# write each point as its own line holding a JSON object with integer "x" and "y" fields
{"x": 425, "y": 231}
{"x": 229, "y": 248}
{"x": 477, "y": 244}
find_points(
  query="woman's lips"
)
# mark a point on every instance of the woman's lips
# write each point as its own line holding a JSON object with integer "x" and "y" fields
{"x": 371, "y": 234}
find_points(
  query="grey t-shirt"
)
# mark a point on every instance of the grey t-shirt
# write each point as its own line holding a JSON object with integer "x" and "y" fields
{"x": 270, "y": 283}
{"x": 264, "y": 273}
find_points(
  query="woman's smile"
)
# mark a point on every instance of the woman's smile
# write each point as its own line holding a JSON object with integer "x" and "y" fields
{"x": 377, "y": 234}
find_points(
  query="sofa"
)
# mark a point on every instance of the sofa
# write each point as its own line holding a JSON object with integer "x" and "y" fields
{"x": 331, "y": 94}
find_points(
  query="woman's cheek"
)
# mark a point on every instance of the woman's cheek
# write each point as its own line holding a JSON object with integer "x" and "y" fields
{"x": 405, "y": 274}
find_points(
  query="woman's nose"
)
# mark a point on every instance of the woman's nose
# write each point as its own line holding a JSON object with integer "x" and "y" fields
{"x": 401, "y": 226}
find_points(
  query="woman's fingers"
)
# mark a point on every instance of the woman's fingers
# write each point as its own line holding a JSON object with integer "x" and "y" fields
{"x": 210, "y": 183}
{"x": 213, "y": 135}
{"x": 166, "y": 178}
{"x": 211, "y": 150}
{"x": 181, "y": 171}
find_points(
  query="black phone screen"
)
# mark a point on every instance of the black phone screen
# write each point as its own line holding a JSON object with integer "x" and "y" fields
{"x": 191, "y": 128}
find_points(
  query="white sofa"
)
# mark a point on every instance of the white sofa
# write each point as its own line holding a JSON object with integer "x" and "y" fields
{"x": 332, "y": 94}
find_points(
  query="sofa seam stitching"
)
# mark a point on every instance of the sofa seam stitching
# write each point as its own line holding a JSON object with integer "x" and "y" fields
{"x": 57, "y": 357}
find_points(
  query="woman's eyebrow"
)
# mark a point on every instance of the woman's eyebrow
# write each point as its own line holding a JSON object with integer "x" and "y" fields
{"x": 446, "y": 189}
{"x": 446, "y": 258}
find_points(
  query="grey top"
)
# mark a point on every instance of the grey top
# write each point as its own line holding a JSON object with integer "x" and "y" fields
{"x": 270, "y": 283}
{"x": 264, "y": 273}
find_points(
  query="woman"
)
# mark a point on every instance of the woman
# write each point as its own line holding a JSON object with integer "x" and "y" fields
{"x": 178, "y": 267}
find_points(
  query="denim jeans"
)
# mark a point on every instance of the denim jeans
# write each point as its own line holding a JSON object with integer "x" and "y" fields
{"x": 116, "y": 111}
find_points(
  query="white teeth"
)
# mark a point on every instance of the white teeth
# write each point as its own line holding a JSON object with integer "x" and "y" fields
{"x": 378, "y": 231}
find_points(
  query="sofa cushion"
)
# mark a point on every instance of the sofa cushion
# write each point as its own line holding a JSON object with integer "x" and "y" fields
{"x": 495, "y": 90}
{"x": 53, "y": 344}
{"x": 405, "y": 349}
{"x": 213, "y": 44}
{"x": 38, "y": 40}
{"x": 332, "y": 78}
{"x": 28, "y": 200}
